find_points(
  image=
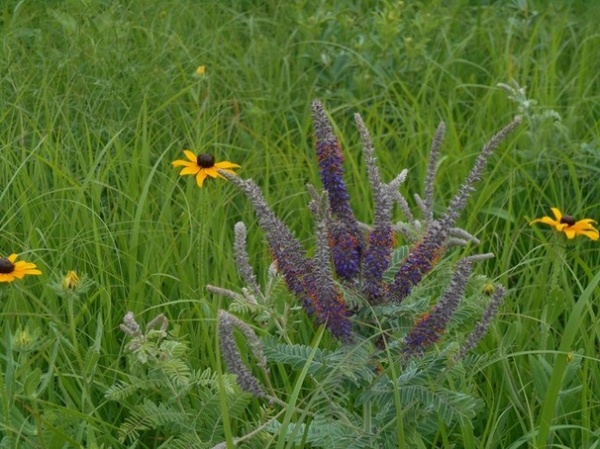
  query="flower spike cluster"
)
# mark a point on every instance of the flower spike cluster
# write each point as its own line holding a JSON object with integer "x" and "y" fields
{"x": 431, "y": 326}
{"x": 331, "y": 308}
{"x": 426, "y": 253}
{"x": 350, "y": 258}
{"x": 300, "y": 273}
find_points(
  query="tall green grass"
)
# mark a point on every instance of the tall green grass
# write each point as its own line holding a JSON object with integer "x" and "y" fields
{"x": 97, "y": 98}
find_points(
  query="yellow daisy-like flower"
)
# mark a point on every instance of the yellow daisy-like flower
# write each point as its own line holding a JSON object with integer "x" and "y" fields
{"x": 203, "y": 166}
{"x": 10, "y": 269}
{"x": 201, "y": 70}
{"x": 568, "y": 225}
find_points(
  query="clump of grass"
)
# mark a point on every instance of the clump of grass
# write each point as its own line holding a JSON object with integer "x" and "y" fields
{"x": 97, "y": 100}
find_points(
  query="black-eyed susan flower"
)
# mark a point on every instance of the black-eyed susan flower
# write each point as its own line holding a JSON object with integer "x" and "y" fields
{"x": 10, "y": 269}
{"x": 568, "y": 225}
{"x": 202, "y": 166}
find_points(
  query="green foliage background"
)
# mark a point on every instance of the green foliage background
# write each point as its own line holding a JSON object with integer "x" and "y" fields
{"x": 98, "y": 97}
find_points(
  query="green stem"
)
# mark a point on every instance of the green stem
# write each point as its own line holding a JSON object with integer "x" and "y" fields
{"x": 71, "y": 298}
{"x": 367, "y": 423}
{"x": 560, "y": 366}
{"x": 202, "y": 246}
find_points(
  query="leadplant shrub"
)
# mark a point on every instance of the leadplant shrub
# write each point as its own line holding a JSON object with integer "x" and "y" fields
{"x": 398, "y": 367}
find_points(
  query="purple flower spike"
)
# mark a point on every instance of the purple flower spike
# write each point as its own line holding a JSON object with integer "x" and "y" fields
{"x": 428, "y": 330}
{"x": 418, "y": 263}
{"x": 330, "y": 307}
{"x": 345, "y": 237}
{"x": 376, "y": 258}
{"x": 376, "y": 261}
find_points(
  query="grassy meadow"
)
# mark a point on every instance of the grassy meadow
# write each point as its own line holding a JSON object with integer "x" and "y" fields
{"x": 97, "y": 98}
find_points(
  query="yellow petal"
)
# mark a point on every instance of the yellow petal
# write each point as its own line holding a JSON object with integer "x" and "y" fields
{"x": 545, "y": 220}
{"x": 191, "y": 156}
{"x": 12, "y": 258}
{"x": 570, "y": 233}
{"x": 200, "y": 177}
{"x": 191, "y": 170}
{"x": 212, "y": 172}
{"x": 6, "y": 277}
{"x": 594, "y": 235}
{"x": 585, "y": 222}
{"x": 180, "y": 162}
{"x": 22, "y": 265}
{"x": 32, "y": 271}
{"x": 556, "y": 213}
{"x": 226, "y": 164}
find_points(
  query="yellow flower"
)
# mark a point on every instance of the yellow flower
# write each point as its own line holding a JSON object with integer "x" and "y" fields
{"x": 70, "y": 281}
{"x": 11, "y": 270}
{"x": 488, "y": 289}
{"x": 201, "y": 70}
{"x": 568, "y": 225}
{"x": 203, "y": 166}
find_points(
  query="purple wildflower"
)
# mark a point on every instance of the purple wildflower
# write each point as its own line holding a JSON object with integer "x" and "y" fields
{"x": 486, "y": 319}
{"x": 381, "y": 239}
{"x": 376, "y": 261}
{"x": 231, "y": 352}
{"x": 459, "y": 201}
{"x": 424, "y": 255}
{"x": 345, "y": 237}
{"x": 242, "y": 260}
{"x": 286, "y": 249}
{"x": 299, "y": 272}
{"x": 430, "y": 327}
{"x": 331, "y": 308}
{"x": 421, "y": 259}
{"x": 432, "y": 169}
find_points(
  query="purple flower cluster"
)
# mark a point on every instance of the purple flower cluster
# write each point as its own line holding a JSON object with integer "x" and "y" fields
{"x": 300, "y": 273}
{"x": 329, "y": 303}
{"x": 425, "y": 254}
{"x": 330, "y": 309}
{"x": 361, "y": 263}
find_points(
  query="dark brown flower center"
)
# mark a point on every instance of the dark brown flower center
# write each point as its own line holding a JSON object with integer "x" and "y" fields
{"x": 6, "y": 266}
{"x": 568, "y": 220}
{"x": 205, "y": 160}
